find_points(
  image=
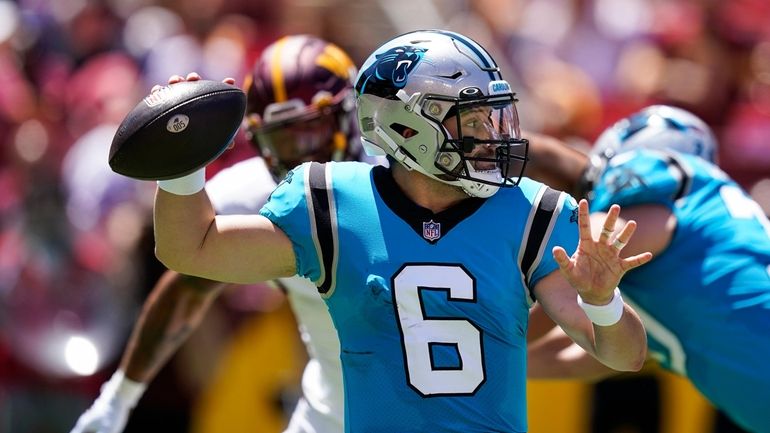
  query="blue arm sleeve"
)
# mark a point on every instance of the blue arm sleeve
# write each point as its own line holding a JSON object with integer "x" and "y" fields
{"x": 287, "y": 208}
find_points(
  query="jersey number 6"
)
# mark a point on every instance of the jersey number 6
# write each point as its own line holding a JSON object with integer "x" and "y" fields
{"x": 421, "y": 334}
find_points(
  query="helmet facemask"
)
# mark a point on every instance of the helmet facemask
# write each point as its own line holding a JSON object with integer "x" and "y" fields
{"x": 481, "y": 149}
{"x": 292, "y": 133}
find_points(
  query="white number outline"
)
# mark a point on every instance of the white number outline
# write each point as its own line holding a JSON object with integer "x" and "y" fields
{"x": 741, "y": 206}
{"x": 420, "y": 332}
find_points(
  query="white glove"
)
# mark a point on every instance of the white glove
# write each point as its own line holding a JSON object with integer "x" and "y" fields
{"x": 110, "y": 411}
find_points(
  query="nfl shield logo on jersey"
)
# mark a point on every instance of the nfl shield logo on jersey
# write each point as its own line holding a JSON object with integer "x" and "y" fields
{"x": 431, "y": 231}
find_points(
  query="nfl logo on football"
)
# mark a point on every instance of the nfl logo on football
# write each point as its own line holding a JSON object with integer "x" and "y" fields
{"x": 431, "y": 231}
{"x": 157, "y": 98}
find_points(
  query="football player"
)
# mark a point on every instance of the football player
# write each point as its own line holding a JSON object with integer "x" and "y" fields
{"x": 704, "y": 299}
{"x": 300, "y": 108}
{"x": 428, "y": 267}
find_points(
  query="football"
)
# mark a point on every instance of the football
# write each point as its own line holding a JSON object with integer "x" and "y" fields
{"x": 177, "y": 130}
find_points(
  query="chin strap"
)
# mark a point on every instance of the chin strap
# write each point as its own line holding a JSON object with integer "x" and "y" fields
{"x": 478, "y": 189}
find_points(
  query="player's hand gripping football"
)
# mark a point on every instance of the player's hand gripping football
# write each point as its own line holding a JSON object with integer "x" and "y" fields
{"x": 595, "y": 269}
{"x": 192, "y": 76}
{"x": 177, "y": 129}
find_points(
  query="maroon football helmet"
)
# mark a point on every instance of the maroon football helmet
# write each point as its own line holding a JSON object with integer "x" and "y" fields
{"x": 300, "y": 103}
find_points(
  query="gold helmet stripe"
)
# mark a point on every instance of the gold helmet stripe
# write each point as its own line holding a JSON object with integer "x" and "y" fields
{"x": 336, "y": 61}
{"x": 279, "y": 87}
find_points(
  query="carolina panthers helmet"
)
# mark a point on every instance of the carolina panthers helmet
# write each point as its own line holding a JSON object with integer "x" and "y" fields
{"x": 435, "y": 102}
{"x": 656, "y": 127}
{"x": 300, "y": 103}
{"x": 659, "y": 127}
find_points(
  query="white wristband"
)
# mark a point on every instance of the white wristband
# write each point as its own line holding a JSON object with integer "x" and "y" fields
{"x": 123, "y": 389}
{"x": 604, "y": 315}
{"x": 185, "y": 185}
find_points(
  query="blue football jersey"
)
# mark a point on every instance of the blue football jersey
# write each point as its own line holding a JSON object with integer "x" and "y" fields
{"x": 431, "y": 309}
{"x": 705, "y": 300}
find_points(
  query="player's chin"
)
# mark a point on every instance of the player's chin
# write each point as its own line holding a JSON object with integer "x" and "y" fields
{"x": 484, "y": 164}
{"x": 486, "y": 168}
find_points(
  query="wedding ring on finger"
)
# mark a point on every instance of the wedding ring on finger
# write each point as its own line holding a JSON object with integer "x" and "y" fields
{"x": 617, "y": 243}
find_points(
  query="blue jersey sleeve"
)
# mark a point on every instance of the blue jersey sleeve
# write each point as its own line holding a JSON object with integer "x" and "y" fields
{"x": 564, "y": 233}
{"x": 287, "y": 208}
{"x": 640, "y": 177}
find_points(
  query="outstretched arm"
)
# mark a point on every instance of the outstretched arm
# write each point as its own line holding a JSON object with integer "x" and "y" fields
{"x": 595, "y": 317}
{"x": 554, "y": 355}
{"x": 174, "y": 309}
{"x": 551, "y": 353}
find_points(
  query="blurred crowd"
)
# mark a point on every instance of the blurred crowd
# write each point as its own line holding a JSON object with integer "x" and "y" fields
{"x": 75, "y": 239}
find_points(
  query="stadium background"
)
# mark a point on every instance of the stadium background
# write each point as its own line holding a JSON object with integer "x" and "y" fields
{"x": 76, "y": 253}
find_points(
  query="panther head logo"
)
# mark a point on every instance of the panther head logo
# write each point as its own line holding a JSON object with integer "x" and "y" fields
{"x": 389, "y": 72}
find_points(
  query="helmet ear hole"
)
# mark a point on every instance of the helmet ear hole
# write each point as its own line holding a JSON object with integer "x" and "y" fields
{"x": 403, "y": 130}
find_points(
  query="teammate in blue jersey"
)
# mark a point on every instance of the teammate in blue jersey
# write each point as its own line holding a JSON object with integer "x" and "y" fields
{"x": 428, "y": 267}
{"x": 705, "y": 298}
